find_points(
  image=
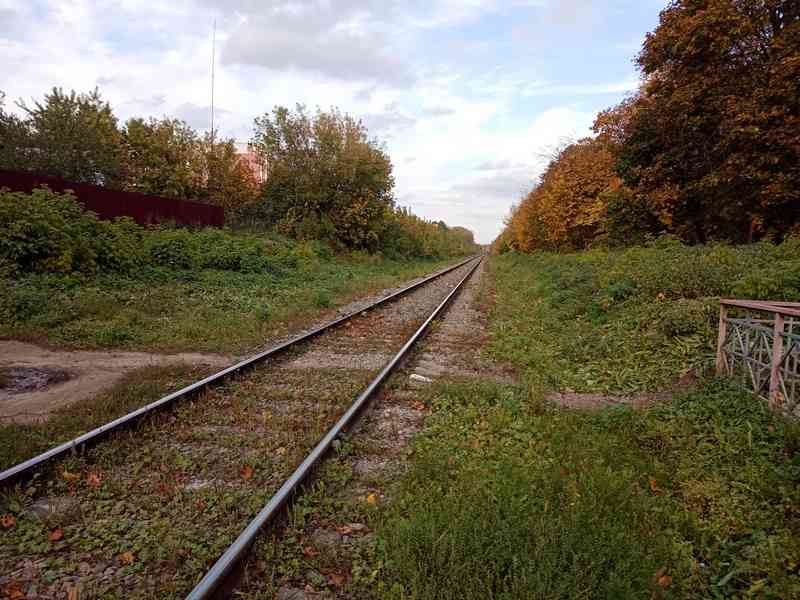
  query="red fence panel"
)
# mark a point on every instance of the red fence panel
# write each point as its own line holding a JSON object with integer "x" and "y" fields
{"x": 145, "y": 209}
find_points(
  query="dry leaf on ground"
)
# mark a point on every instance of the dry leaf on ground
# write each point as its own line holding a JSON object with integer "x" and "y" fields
{"x": 126, "y": 558}
{"x": 8, "y": 521}
{"x": 12, "y": 591}
{"x": 246, "y": 472}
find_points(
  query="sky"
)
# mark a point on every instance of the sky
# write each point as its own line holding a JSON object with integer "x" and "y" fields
{"x": 469, "y": 97}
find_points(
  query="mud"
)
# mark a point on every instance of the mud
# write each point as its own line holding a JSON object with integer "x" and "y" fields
{"x": 38, "y": 381}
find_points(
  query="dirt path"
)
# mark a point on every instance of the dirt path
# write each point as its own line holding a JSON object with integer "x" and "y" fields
{"x": 38, "y": 381}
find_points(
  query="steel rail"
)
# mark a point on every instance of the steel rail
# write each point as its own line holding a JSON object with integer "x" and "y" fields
{"x": 225, "y": 565}
{"x": 27, "y": 467}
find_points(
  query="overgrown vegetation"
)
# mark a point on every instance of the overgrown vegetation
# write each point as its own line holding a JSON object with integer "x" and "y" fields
{"x": 73, "y": 280}
{"x": 629, "y": 320}
{"x": 705, "y": 150}
{"x": 510, "y": 496}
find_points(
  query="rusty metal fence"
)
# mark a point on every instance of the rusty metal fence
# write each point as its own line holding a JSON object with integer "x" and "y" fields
{"x": 759, "y": 346}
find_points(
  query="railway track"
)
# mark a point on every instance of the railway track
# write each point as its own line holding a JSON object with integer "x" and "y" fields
{"x": 143, "y": 513}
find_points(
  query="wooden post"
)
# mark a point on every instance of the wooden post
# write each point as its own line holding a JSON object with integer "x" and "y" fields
{"x": 723, "y": 332}
{"x": 777, "y": 355}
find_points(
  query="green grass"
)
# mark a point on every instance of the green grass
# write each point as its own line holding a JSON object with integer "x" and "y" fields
{"x": 627, "y": 321}
{"x": 508, "y": 498}
{"x": 199, "y": 309}
{"x": 19, "y": 441}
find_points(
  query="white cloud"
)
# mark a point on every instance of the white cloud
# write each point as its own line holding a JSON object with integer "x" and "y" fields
{"x": 467, "y": 138}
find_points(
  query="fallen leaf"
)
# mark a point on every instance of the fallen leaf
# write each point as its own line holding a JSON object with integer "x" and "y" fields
{"x": 664, "y": 581}
{"x": 417, "y": 405}
{"x": 12, "y": 591}
{"x": 199, "y": 504}
{"x": 94, "y": 480}
{"x": 372, "y": 498}
{"x": 654, "y": 486}
{"x": 56, "y": 534}
{"x": 8, "y": 521}
{"x": 310, "y": 551}
{"x": 344, "y": 529}
{"x": 280, "y": 451}
{"x": 246, "y": 472}
{"x": 74, "y": 593}
{"x": 336, "y": 579}
{"x": 67, "y": 476}
{"x": 126, "y": 558}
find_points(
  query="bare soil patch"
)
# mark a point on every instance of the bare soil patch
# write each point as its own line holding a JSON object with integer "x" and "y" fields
{"x": 37, "y": 381}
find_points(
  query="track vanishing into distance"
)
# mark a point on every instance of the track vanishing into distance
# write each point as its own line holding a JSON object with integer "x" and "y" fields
{"x": 124, "y": 512}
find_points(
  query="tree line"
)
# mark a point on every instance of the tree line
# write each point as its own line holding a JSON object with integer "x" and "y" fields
{"x": 328, "y": 179}
{"x": 708, "y": 148}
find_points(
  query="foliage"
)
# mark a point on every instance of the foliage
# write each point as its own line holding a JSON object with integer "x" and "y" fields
{"x": 168, "y": 158}
{"x": 594, "y": 321}
{"x": 74, "y": 136}
{"x": 74, "y": 280}
{"x": 409, "y": 235}
{"x": 48, "y": 232}
{"x": 566, "y": 210}
{"x": 509, "y": 498}
{"x": 327, "y": 179}
{"x": 711, "y": 141}
{"x": 707, "y": 149}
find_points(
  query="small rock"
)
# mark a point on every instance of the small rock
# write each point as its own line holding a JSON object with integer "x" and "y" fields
{"x": 326, "y": 540}
{"x": 197, "y": 484}
{"x": 51, "y": 507}
{"x": 290, "y": 593}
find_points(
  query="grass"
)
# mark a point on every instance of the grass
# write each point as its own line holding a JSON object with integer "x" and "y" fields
{"x": 511, "y": 497}
{"x": 171, "y": 309}
{"x": 19, "y": 441}
{"x": 627, "y": 321}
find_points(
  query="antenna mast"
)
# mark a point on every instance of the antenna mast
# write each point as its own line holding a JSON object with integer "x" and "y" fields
{"x": 213, "y": 57}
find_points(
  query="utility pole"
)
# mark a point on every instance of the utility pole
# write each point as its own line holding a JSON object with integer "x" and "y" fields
{"x": 213, "y": 57}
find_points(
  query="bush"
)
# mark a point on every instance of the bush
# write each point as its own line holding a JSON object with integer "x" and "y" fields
{"x": 49, "y": 232}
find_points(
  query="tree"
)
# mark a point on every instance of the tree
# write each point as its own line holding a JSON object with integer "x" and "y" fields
{"x": 73, "y": 136}
{"x": 566, "y": 210}
{"x": 168, "y": 158}
{"x": 228, "y": 180}
{"x": 13, "y": 137}
{"x": 327, "y": 178}
{"x": 162, "y": 157}
{"x": 713, "y": 140}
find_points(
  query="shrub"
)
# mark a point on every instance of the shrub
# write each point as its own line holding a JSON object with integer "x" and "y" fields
{"x": 49, "y": 232}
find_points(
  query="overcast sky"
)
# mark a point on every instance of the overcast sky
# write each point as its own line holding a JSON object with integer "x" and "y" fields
{"x": 468, "y": 95}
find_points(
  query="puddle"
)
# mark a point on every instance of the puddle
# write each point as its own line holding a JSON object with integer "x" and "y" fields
{"x": 19, "y": 380}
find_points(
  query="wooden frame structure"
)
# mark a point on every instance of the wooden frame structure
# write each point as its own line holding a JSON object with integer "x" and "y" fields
{"x": 759, "y": 345}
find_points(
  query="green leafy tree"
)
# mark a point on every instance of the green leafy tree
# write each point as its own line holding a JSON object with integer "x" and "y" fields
{"x": 13, "y": 137}
{"x": 162, "y": 157}
{"x": 327, "y": 178}
{"x": 70, "y": 135}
